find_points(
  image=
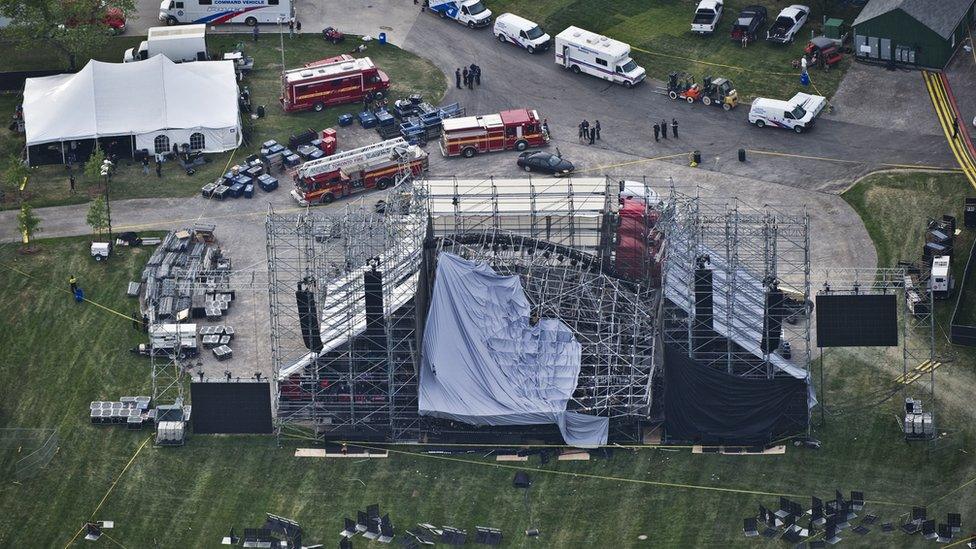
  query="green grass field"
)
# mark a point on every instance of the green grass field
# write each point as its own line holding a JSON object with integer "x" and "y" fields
{"x": 49, "y": 184}
{"x": 663, "y": 29}
{"x": 59, "y": 355}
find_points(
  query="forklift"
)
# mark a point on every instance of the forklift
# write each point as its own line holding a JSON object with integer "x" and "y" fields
{"x": 682, "y": 89}
{"x": 719, "y": 91}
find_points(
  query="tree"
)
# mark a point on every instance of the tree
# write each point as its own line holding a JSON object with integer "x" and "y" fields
{"x": 97, "y": 216}
{"x": 93, "y": 166}
{"x": 77, "y": 29}
{"x": 28, "y": 223}
{"x": 13, "y": 175}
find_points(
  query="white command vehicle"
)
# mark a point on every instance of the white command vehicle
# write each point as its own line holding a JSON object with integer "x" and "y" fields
{"x": 467, "y": 12}
{"x": 706, "y": 17}
{"x": 583, "y": 51}
{"x": 216, "y": 12}
{"x": 520, "y": 31}
{"x": 797, "y": 114}
{"x": 179, "y": 44}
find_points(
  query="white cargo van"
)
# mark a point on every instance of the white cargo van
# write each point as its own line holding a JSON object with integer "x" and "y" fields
{"x": 471, "y": 13}
{"x": 521, "y": 32}
{"x": 180, "y": 44}
{"x": 780, "y": 114}
{"x": 580, "y": 50}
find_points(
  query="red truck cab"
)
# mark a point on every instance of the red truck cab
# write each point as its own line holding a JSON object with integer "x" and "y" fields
{"x": 516, "y": 129}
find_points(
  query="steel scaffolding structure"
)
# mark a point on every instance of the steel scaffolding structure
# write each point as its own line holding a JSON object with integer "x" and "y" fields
{"x": 363, "y": 382}
{"x": 612, "y": 319}
{"x": 917, "y": 322}
{"x": 734, "y": 276}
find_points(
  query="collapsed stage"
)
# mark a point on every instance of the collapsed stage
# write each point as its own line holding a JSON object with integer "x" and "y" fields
{"x": 504, "y": 311}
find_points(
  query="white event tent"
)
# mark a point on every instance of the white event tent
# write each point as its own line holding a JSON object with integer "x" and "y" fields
{"x": 154, "y": 104}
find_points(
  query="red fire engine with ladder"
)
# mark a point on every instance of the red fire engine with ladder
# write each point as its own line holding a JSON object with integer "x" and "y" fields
{"x": 377, "y": 166}
{"x": 323, "y": 84}
{"x": 516, "y": 129}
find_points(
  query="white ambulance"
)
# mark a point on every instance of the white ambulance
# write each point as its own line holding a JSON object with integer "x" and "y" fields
{"x": 583, "y": 51}
{"x": 520, "y": 31}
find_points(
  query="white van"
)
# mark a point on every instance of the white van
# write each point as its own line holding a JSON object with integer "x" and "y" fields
{"x": 580, "y": 50}
{"x": 521, "y": 32}
{"x": 780, "y": 114}
{"x": 216, "y": 12}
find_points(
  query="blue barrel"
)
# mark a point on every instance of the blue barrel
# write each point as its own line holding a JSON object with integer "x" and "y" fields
{"x": 382, "y": 38}
{"x": 79, "y": 295}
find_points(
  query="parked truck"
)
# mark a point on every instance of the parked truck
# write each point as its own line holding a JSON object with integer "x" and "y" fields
{"x": 179, "y": 44}
{"x": 516, "y": 129}
{"x": 376, "y": 166}
{"x": 797, "y": 114}
{"x": 706, "y": 17}
{"x": 788, "y": 24}
{"x": 580, "y": 50}
{"x": 333, "y": 81}
{"x": 471, "y": 13}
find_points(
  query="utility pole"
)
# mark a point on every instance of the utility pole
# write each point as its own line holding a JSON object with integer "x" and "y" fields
{"x": 281, "y": 39}
{"x": 107, "y": 175}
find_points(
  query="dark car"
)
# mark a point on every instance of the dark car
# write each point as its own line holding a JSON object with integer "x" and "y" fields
{"x": 545, "y": 162}
{"x": 750, "y": 22}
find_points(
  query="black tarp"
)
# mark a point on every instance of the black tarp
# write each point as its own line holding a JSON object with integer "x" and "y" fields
{"x": 709, "y": 406}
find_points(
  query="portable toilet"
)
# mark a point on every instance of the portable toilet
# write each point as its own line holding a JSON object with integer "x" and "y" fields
{"x": 834, "y": 28}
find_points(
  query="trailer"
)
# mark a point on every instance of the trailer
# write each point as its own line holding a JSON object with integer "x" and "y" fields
{"x": 180, "y": 45}
{"x": 327, "y": 84}
{"x": 516, "y": 129}
{"x": 377, "y": 166}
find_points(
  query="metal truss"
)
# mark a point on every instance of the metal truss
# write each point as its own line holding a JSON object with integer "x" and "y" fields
{"x": 745, "y": 255}
{"x": 613, "y": 319}
{"x": 364, "y": 381}
{"x": 917, "y": 315}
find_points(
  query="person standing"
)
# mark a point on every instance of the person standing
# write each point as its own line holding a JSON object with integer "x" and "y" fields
{"x": 596, "y": 126}
{"x": 464, "y": 73}
{"x": 581, "y": 130}
{"x": 457, "y": 78}
{"x": 71, "y": 182}
{"x": 674, "y": 127}
{"x": 471, "y": 79}
{"x": 477, "y": 74}
{"x": 73, "y": 284}
{"x": 592, "y": 134}
{"x": 159, "y": 167}
{"x": 664, "y": 129}
{"x": 145, "y": 165}
{"x": 657, "y": 132}
{"x": 545, "y": 126}
{"x": 291, "y": 27}
{"x": 298, "y": 26}
{"x": 255, "y": 32}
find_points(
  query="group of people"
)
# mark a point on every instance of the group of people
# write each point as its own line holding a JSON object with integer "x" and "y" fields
{"x": 468, "y": 76}
{"x": 589, "y": 133}
{"x": 661, "y": 130}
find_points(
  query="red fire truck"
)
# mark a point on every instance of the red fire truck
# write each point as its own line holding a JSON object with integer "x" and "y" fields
{"x": 516, "y": 129}
{"x": 327, "y": 84}
{"x": 375, "y": 166}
